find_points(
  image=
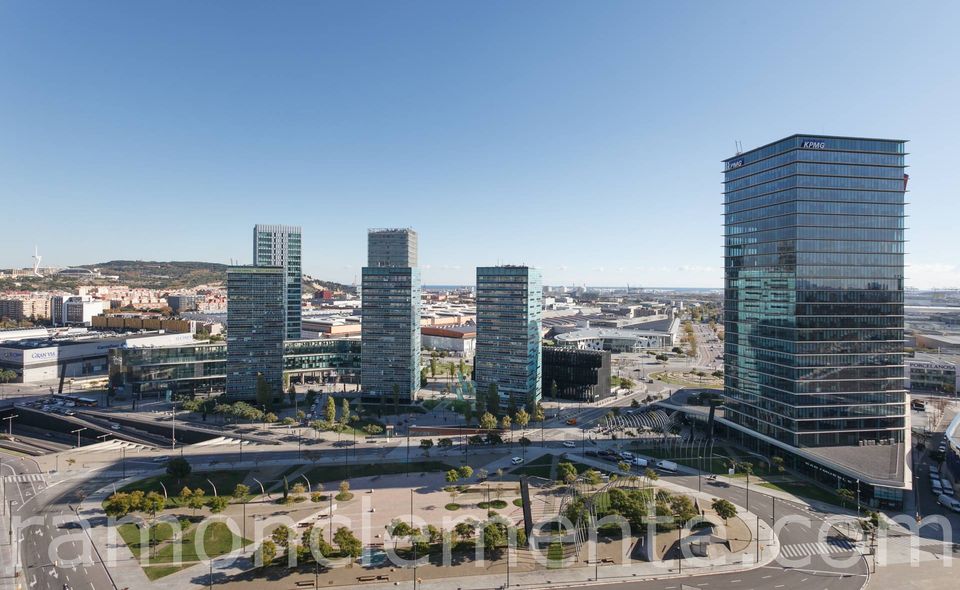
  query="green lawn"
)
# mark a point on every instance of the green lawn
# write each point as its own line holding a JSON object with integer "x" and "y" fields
{"x": 130, "y": 533}
{"x": 217, "y": 541}
{"x": 155, "y": 572}
{"x": 539, "y": 467}
{"x": 805, "y": 490}
{"x": 718, "y": 465}
{"x": 340, "y": 472}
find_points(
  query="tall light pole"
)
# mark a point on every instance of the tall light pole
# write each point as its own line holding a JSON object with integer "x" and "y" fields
{"x": 9, "y": 420}
{"x": 309, "y": 487}
{"x": 173, "y": 429}
{"x": 699, "y": 473}
{"x": 77, "y": 432}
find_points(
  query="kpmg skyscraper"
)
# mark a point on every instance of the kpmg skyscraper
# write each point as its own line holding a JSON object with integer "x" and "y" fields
{"x": 813, "y": 312}
{"x": 509, "y": 319}
{"x": 256, "y": 314}
{"x": 280, "y": 245}
{"x": 390, "y": 329}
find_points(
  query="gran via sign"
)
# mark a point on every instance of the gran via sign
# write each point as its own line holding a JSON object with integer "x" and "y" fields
{"x": 812, "y": 144}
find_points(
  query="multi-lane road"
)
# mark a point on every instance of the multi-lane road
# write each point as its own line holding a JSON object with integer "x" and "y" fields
{"x": 808, "y": 558}
{"x": 45, "y": 541}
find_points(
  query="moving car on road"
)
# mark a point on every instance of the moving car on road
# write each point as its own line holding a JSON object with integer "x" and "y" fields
{"x": 667, "y": 466}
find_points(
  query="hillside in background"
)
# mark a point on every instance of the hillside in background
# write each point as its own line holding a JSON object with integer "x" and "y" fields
{"x": 151, "y": 274}
{"x": 163, "y": 275}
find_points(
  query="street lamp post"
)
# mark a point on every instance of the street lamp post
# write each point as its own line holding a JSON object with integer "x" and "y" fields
{"x": 9, "y": 420}
{"x": 699, "y": 473}
{"x": 858, "y": 498}
{"x": 679, "y": 546}
{"x": 77, "y": 432}
{"x": 758, "y": 539}
{"x": 309, "y": 487}
{"x": 173, "y": 429}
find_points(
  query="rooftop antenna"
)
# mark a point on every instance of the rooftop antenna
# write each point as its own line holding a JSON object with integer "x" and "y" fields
{"x": 36, "y": 262}
{"x": 739, "y": 146}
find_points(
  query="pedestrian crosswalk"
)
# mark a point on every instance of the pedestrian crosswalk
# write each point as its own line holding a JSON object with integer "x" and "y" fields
{"x": 23, "y": 478}
{"x": 822, "y": 548}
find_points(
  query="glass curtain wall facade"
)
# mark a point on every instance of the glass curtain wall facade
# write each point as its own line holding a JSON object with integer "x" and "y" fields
{"x": 576, "y": 374}
{"x": 280, "y": 245}
{"x": 509, "y": 321}
{"x": 390, "y": 329}
{"x": 256, "y": 322}
{"x": 201, "y": 369}
{"x": 813, "y": 311}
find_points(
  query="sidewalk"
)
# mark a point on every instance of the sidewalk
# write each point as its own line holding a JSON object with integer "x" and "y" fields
{"x": 127, "y": 572}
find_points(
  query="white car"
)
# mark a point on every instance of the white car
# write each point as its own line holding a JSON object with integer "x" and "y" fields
{"x": 517, "y": 460}
{"x": 114, "y": 427}
{"x": 569, "y": 444}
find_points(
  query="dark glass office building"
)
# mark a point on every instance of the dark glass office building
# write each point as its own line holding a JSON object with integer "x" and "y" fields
{"x": 391, "y": 315}
{"x": 280, "y": 245}
{"x": 813, "y": 312}
{"x": 509, "y": 323}
{"x": 200, "y": 369}
{"x": 576, "y": 374}
{"x": 256, "y": 325}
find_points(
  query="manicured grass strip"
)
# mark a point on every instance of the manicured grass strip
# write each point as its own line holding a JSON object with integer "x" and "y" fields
{"x": 539, "y": 467}
{"x": 160, "y": 532}
{"x": 805, "y": 490}
{"x": 217, "y": 541}
{"x": 340, "y": 472}
{"x": 155, "y": 572}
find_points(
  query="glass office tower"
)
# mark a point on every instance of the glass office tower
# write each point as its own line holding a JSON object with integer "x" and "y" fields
{"x": 280, "y": 245}
{"x": 390, "y": 329}
{"x": 256, "y": 323}
{"x": 508, "y": 352}
{"x": 813, "y": 312}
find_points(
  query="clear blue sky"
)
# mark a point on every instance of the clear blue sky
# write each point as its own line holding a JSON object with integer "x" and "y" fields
{"x": 584, "y": 138}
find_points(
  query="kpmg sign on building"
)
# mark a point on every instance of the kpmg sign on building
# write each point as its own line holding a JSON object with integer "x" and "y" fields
{"x": 813, "y": 144}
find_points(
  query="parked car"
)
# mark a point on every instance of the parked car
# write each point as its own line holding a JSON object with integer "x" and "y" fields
{"x": 626, "y": 455}
{"x": 517, "y": 460}
{"x": 948, "y": 502}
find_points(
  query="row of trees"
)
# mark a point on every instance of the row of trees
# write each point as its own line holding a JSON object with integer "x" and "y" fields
{"x": 494, "y": 533}
{"x": 450, "y": 368}
{"x": 283, "y": 540}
